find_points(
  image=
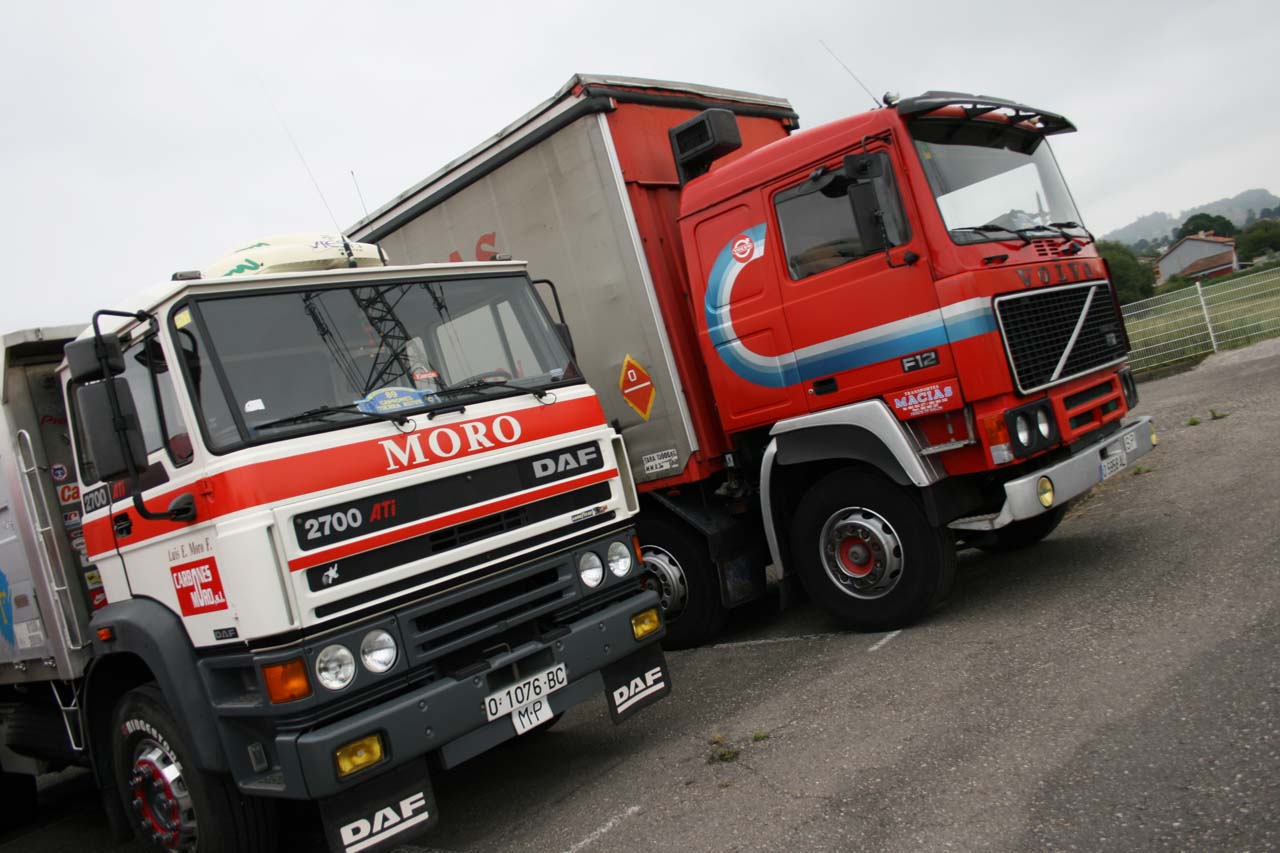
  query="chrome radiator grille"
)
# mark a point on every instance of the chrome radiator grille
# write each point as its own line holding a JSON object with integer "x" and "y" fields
{"x": 1054, "y": 334}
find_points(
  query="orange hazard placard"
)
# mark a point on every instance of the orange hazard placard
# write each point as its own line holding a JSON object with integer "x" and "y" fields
{"x": 637, "y": 387}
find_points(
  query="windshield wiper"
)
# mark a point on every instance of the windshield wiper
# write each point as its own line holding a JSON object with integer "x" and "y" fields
{"x": 992, "y": 229}
{"x": 321, "y": 412}
{"x": 476, "y": 384}
{"x": 1069, "y": 224}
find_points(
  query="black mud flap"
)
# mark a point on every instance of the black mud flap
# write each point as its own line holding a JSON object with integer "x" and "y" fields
{"x": 636, "y": 682}
{"x": 382, "y": 814}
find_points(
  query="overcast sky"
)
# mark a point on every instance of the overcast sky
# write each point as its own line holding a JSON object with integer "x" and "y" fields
{"x": 142, "y": 138}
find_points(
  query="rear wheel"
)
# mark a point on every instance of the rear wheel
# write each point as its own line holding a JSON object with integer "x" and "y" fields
{"x": 688, "y": 586}
{"x": 1025, "y": 533}
{"x": 173, "y": 805}
{"x": 866, "y": 552}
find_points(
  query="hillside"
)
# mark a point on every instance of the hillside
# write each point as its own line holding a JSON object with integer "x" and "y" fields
{"x": 1159, "y": 224}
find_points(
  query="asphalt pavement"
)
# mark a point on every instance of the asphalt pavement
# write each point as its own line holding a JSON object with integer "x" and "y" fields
{"x": 1116, "y": 687}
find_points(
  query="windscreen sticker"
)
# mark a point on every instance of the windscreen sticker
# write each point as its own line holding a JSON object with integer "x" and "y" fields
{"x": 388, "y": 401}
{"x": 182, "y": 319}
{"x": 254, "y": 406}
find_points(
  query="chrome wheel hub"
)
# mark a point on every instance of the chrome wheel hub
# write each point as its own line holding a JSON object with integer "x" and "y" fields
{"x": 665, "y": 569}
{"x": 161, "y": 801}
{"x": 861, "y": 553}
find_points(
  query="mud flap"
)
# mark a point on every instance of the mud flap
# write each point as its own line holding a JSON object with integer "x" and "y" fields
{"x": 636, "y": 682}
{"x": 383, "y": 813}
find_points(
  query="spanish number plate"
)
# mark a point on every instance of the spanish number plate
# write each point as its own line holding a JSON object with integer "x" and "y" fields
{"x": 1115, "y": 462}
{"x": 522, "y": 695}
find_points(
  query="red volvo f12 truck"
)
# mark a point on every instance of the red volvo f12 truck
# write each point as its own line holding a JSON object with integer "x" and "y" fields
{"x": 269, "y": 537}
{"x": 840, "y": 350}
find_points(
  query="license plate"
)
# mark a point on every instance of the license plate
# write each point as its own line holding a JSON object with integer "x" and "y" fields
{"x": 1115, "y": 462}
{"x": 532, "y": 715}
{"x": 522, "y": 693}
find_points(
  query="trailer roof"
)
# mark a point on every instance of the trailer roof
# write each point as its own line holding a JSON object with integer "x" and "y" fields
{"x": 582, "y": 92}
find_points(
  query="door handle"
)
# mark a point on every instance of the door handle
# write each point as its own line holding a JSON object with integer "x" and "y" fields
{"x": 122, "y": 524}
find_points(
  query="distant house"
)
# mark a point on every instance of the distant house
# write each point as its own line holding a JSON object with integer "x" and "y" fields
{"x": 1202, "y": 255}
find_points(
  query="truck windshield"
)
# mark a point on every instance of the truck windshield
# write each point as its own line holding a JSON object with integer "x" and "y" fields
{"x": 994, "y": 182}
{"x": 273, "y": 364}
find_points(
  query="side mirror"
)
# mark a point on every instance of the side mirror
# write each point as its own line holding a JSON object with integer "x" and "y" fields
{"x": 107, "y": 448}
{"x": 867, "y": 216}
{"x": 86, "y": 361}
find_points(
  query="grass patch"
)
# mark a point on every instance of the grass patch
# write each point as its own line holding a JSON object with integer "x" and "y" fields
{"x": 1193, "y": 421}
{"x": 724, "y": 755}
{"x": 759, "y": 736}
{"x": 1214, "y": 414}
{"x": 1140, "y": 469}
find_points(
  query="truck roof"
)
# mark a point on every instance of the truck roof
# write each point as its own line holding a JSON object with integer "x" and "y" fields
{"x": 770, "y": 161}
{"x": 583, "y": 93}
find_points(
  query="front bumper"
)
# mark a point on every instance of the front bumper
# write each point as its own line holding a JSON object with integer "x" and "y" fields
{"x": 1071, "y": 477}
{"x": 447, "y": 715}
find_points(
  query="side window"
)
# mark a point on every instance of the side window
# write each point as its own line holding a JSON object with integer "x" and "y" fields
{"x": 818, "y": 226}
{"x": 153, "y": 393}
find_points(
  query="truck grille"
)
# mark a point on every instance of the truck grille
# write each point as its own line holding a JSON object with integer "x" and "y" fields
{"x": 1058, "y": 333}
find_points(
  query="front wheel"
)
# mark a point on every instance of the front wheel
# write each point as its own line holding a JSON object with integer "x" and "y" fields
{"x": 688, "y": 586}
{"x": 866, "y": 552}
{"x": 173, "y": 805}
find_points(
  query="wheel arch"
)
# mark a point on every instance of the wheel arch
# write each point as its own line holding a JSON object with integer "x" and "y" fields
{"x": 802, "y": 449}
{"x": 149, "y": 644}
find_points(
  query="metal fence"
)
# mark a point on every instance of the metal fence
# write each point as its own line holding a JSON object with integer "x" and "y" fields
{"x": 1195, "y": 321}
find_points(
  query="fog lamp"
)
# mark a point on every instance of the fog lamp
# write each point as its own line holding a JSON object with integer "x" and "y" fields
{"x": 645, "y": 623}
{"x": 1044, "y": 491}
{"x": 358, "y": 755}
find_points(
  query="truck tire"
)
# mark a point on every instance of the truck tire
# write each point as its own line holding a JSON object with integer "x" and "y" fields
{"x": 173, "y": 805}
{"x": 686, "y": 580}
{"x": 18, "y": 799}
{"x": 866, "y": 552}
{"x": 1023, "y": 534}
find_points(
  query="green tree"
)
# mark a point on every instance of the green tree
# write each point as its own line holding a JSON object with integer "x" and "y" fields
{"x": 1219, "y": 225}
{"x": 1133, "y": 279}
{"x": 1259, "y": 238}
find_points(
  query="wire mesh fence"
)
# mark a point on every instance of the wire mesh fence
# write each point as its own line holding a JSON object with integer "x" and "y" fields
{"x": 1195, "y": 321}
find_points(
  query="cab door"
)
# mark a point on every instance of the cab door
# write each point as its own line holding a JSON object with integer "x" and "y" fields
{"x": 861, "y": 319}
{"x": 172, "y": 562}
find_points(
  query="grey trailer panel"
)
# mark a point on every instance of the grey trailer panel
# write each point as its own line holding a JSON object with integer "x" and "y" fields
{"x": 560, "y": 205}
{"x": 43, "y": 602}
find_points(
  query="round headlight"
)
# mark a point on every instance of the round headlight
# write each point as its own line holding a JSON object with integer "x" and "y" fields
{"x": 1022, "y": 424}
{"x": 619, "y": 559}
{"x": 378, "y": 651}
{"x": 1043, "y": 424}
{"x": 335, "y": 666}
{"x": 590, "y": 569}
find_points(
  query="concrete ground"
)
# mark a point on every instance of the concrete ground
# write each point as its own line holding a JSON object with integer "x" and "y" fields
{"x": 1117, "y": 687}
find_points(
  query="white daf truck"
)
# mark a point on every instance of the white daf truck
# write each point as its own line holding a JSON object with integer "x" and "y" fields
{"x": 307, "y": 536}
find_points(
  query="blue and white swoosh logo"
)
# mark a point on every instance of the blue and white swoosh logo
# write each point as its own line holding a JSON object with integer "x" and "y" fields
{"x": 918, "y": 332}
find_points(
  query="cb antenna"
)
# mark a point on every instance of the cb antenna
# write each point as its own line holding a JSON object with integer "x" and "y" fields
{"x": 874, "y": 102}
{"x": 359, "y": 194}
{"x": 346, "y": 246}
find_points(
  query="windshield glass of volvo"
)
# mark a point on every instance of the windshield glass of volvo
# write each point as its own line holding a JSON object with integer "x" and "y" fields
{"x": 994, "y": 182}
{"x": 274, "y": 364}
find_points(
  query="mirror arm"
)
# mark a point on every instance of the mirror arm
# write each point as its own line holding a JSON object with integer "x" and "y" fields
{"x": 179, "y": 510}
{"x": 909, "y": 259}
